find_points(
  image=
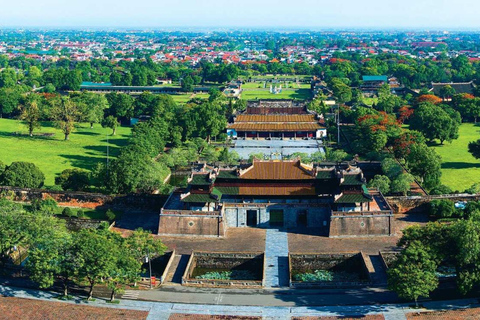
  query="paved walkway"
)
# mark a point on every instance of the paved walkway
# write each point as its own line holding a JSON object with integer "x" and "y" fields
{"x": 163, "y": 310}
{"x": 276, "y": 254}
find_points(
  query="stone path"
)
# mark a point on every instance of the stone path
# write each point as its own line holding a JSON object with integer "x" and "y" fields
{"x": 276, "y": 252}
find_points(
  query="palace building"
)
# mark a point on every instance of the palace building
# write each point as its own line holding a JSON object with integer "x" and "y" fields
{"x": 332, "y": 198}
{"x": 282, "y": 119}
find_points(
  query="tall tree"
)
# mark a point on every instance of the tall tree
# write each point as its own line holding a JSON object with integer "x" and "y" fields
{"x": 30, "y": 115}
{"x": 65, "y": 113}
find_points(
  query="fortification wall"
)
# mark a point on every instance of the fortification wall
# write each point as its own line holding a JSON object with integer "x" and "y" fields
{"x": 361, "y": 225}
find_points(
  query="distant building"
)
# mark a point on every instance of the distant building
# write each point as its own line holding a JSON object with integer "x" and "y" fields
{"x": 371, "y": 84}
{"x": 459, "y": 87}
{"x": 331, "y": 197}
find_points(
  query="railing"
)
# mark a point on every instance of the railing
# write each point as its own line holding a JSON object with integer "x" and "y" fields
{"x": 167, "y": 212}
{"x": 361, "y": 213}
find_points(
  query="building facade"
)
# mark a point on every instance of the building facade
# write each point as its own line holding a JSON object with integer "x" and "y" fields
{"x": 286, "y": 194}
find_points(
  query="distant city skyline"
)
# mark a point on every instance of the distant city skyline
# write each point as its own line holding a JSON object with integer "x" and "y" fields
{"x": 407, "y": 14}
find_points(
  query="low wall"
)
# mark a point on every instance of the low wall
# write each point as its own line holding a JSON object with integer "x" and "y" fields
{"x": 417, "y": 204}
{"x": 351, "y": 225}
{"x": 85, "y": 199}
{"x": 168, "y": 266}
{"x": 350, "y": 262}
{"x": 224, "y": 260}
{"x": 191, "y": 225}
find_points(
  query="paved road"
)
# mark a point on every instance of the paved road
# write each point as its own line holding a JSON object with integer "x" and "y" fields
{"x": 162, "y": 310}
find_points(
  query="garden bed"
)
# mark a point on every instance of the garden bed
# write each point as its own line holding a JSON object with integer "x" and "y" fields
{"x": 328, "y": 270}
{"x": 244, "y": 270}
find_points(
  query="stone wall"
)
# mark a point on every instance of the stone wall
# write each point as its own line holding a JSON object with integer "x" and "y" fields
{"x": 179, "y": 225}
{"x": 361, "y": 225}
{"x": 86, "y": 200}
{"x": 253, "y": 262}
{"x": 417, "y": 204}
{"x": 348, "y": 262}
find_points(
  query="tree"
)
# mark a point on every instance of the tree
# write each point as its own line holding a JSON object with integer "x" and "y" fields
{"x": 73, "y": 179}
{"x": 65, "y": 113}
{"x": 425, "y": 163}
{"x": 187, "y": 84}
{"x": 441, "y": 208}
{"x": 413, "y": 274}
{"x": 9, "y": 100}
{"x": 435, "y": 123}
{"x": 121, "y": 105}
{"x": 401, "y": 183}
{"x": 380, "y": 182}
{"x": 142, "y": 243}
{"x": 341, "y": 91}
{"x": 229, "y": 157}
{"x": 91, "y": 107}
{"x": 55, "y": 257}
{"x": 447, "y": 92}
{"x": 336, "y": 155}
{"x": 110, "y": 122}
{"x": 474, "y": 148}
{"x": 22, "y": 175}
{"x": 30, "y": 114}
{"x": 97, "y": 254}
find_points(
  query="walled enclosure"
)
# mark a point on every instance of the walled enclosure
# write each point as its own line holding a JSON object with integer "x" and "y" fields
{"x": 348, "y": 262}
{"x": 254, "y": 262}
{"x": 358, "y": 225}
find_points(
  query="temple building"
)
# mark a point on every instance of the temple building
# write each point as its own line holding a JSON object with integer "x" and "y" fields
{"x": 277, "y": 119}
{"x": 290, "y": 194}
{"x": 276, "y": 128}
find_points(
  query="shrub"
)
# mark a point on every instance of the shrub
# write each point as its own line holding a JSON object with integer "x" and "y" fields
{"x": 110, "y": 215}
{"x": 22, "y": 175}
{"x": 48, "y": 206}
{"x": 80, "y": 214}
{"x": 441, "y": 189}
{"x": 442, "y": 208}
{"x": 68, "y": 212}
{"x": 73, "y": 179}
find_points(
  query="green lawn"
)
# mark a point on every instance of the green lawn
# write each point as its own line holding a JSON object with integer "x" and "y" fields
{"x": 301, "y": 94}
{"x": 52, "y": 154}
{"x": 459, "y": 168}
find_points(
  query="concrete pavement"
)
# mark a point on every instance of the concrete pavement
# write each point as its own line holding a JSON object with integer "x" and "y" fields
{"x": 162, "y": 310}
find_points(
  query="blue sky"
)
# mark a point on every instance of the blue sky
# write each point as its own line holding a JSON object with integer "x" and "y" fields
{"x": 431, "y": 14}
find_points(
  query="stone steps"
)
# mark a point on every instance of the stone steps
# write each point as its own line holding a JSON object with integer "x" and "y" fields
{"x": 177, "y": 269}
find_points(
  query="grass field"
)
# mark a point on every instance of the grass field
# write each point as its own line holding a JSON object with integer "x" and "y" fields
{"x": 459, "y": 168}
{"x": 52, "y": 155}
{"x": 301, "y": 94}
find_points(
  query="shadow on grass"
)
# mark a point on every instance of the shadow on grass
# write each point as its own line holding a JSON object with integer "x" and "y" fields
{"x": 86, "y": 133}
{"x": 460, "y": 165}
{"x": 102, "y": 149}
{"x": 116, "y": 142}
{"x": 82, "y": 162}
{"x": 25, "y": 136}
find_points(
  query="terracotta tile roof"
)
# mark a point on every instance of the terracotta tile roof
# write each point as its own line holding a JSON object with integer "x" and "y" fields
{"x": 273, "y": 170}
{"x": 277, "y": 191}
{"x": 273, "y": 127}
{"x": 276, "y": 118}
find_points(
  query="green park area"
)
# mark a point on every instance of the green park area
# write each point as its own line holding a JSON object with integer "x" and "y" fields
{"x": 52, "y": 154}
{"x": 299, "y": 94}
{"x": 459, "y": 168}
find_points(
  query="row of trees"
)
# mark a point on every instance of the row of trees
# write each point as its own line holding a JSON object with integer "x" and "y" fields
{"x": 54, "y": 253}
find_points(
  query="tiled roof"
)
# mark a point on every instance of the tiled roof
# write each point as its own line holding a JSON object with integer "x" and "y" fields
{"x": 227, "y": 174}
{"x": 274, "y": 127}
{"x": 269, "y": 191}
{"x": 272, "y": 170}
{"x": 352, "y": 180}
{"x": 324, "y": 174}
{"x": 200, "y": 180}
{"x": 353, "y": 198}
{"x": 215, "y": 196}
{"x": 459, "y": 87}
{"x": 275, "y": 118}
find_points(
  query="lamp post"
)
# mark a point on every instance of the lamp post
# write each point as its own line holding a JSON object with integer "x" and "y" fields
{"x": 147, "y": 258}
